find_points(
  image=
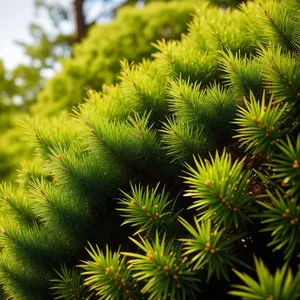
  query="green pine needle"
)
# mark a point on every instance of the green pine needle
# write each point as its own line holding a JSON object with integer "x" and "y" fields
{"x": 220, "y": 188}
{"x": 210, "y": 246}
{"x": 242, "y": 74}
{"x": 162, "y": 270}
{"x": 108, "y": 275}
{"x": 278, "y": 28}
{"x": 182, "y": 141}
{"x": 69, "y": 285}
{"x": 260, "y": 125}
{"x": 281, "y": 74}
{"x": 147, "y": 209}
{"x": 286, "y": 165}
{"x": 282, "y": 220}
{"x": 281, "y": 286}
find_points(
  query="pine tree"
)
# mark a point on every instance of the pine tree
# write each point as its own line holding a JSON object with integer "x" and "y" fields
{"x": 182, "y": 178}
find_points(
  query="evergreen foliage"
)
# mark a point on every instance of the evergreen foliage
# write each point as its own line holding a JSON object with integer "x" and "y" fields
{"x": 192, "y": 138}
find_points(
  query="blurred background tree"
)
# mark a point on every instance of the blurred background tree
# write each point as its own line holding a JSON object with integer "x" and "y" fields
{"x": 8, "y": 111}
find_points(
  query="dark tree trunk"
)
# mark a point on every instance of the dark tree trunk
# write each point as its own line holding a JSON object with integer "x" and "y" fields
{"x": 79, "y": 19}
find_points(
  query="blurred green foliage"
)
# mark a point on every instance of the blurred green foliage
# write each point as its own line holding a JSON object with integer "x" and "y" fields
{"x": 7, "y": 89}
{"x": 10, "y": 146}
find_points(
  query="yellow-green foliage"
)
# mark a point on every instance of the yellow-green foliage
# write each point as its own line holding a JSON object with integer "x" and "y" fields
{"x": 11, "y": 149}
{"x": 96, "y": 60}
{"x": 171, "y": 143}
